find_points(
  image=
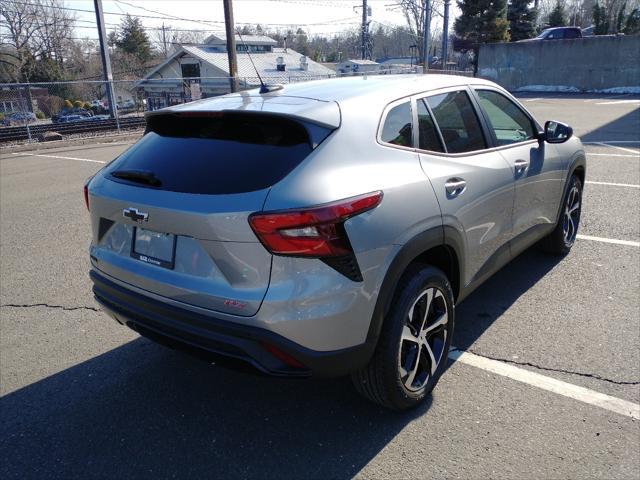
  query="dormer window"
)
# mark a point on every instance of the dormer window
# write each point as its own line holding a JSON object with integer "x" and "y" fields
{"x": 241, "y": 47}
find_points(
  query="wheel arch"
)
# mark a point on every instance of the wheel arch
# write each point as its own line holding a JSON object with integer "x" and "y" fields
{"x": 438, "y": 247}
{"x": 578, "y": 166}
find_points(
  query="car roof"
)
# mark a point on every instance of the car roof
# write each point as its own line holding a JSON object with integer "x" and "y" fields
{"x": 389, "y": 87}
{"x": 316, "y": 100}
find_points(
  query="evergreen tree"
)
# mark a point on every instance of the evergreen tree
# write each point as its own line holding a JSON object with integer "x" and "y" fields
{"x": 620, "y": 18}
{"x": 482, "y": 21}
{"x": 632, "y": 25}
{"x": 522, "y": 20}
{"x": 558, "y": 17}
{"x": 133, "y": 39}
{"x": 600, "y": 20}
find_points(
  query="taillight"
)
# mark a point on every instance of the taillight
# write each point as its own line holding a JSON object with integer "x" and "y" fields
{"x": 86, "y": 195}
{"x": 311, "y": 232}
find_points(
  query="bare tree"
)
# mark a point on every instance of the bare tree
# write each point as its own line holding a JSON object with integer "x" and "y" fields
{"x": 34, "y": 30}
{"x": 413, "y": 11}
{"x": 19, "y": 25}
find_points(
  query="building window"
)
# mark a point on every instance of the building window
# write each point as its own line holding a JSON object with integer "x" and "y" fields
{"x": 190, "y": 70}
{"x": 241, "y": 47}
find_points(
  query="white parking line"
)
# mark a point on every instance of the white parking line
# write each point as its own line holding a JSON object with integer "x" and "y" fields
{"x": 585, "y": 395}
{"x": 610, "y": 184}
{"x": 612, "y": 155}
{"x": 619, "y": 102}
{"x": 532, "y": 99}
{"x": 619, "y": 148}
{"x": 628, "y": 243}
{"x": 56, "y": 156}
{"x": 608, "y": 142}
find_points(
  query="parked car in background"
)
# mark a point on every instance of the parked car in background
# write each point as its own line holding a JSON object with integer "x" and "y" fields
{"x": 127, "y": 104}
{"x": 71, "y": 115}
{"x": 19, "y": 118}
{"x": 331, "y": 227}
{"x": 557, "y": 33}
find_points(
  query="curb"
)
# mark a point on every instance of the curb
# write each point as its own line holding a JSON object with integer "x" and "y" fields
{"x": 72, "y": 143}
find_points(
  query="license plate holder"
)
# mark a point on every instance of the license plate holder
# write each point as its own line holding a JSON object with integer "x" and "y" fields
{"x": 152, "y": 247}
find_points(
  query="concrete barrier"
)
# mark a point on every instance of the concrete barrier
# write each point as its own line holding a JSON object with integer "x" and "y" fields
{"x": 609, "y": 64}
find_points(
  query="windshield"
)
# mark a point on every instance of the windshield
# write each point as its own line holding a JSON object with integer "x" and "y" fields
{"x": 544, "y": 33}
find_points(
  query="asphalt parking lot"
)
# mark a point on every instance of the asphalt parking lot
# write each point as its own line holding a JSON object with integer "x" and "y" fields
{"x": 84, "y": 397}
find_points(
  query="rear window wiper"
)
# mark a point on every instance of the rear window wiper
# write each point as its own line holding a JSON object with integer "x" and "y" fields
{"x": 139, "y": 176}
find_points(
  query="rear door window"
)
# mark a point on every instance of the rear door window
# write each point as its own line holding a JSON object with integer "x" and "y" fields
{"x": 508, "y": 122}
{"x": 215, "y": 153}
{"x": 428, "y": 138}
{"x": 397, "y": 126}
{"x": 571, "y": 33}
{"x": 458, "y": 122}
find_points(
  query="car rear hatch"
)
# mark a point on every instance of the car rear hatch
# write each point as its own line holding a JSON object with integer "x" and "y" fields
{"x": 170, "y": 215}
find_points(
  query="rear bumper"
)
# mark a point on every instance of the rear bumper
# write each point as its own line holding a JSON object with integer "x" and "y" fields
{"x": 207, "y": 335}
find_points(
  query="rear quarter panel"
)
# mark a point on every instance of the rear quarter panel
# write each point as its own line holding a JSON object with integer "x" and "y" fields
{"x": 349, "y": 163}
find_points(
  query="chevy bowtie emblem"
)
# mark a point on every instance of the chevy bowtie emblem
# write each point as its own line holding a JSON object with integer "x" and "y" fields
{"x": 135, "y": 215}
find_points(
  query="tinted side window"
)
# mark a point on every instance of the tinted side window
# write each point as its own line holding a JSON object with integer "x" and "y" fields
{"x": 508, "y": 122}
{"x": 458, "y": 122}
{"x": 397, "y": 126}
{"x": 428, "y": 137}
{"x": 570, "y": 33}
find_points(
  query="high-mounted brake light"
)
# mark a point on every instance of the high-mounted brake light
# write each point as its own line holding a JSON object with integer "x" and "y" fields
{"x": 312, "y": 232}
{"x": 86, "y": 195}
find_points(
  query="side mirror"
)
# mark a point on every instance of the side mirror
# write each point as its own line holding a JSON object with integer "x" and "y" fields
{"x": 556, "y": 132}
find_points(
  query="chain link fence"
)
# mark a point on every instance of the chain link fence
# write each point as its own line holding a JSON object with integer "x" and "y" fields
{"x": 39, "y": 112}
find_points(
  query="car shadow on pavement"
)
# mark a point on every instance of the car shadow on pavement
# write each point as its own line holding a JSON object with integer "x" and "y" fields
{"x": 625, "y": 127}
{"x": 486, "y": 304}
{"x": 141, "y": 410}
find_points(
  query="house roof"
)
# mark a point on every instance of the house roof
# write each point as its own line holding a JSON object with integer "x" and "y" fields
{"x": 248, "y": 39}
{"x": 362, "y": 62}
{"x": 265, "y": 63}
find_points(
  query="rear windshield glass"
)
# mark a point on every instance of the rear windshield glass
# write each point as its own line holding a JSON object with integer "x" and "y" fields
{"x": 222, "y": 154}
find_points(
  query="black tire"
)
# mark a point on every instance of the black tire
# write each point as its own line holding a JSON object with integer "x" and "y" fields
{"x": 563, "y": 237}
{"x": 382, "y": 380}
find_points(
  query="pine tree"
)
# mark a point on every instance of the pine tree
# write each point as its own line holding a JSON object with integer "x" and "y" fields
{"x": 632, "y": 25}
{"x": 620, "y": 18}
{"x": 482, "y": 21}
{"x": 600, "y": 20}
{"x": 133, "y": 39}
{"x": 558, "y": 17}
{"x": 522, "y": 20}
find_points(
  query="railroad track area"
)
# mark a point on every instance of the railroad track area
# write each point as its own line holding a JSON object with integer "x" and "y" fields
{"x": 36, "y": 132}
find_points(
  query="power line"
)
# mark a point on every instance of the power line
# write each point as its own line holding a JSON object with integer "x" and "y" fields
{"x": 172, "y": 17}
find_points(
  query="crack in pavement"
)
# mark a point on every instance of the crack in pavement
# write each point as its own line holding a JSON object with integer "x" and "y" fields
{"x": 595, "y": 376}
{"x": 46, "y": 305}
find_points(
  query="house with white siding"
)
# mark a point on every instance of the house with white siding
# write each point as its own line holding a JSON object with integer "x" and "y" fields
{"x": 195, "y": 71}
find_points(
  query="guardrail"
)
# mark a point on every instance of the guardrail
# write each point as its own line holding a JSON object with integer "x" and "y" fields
{"x": 35, "y": 132}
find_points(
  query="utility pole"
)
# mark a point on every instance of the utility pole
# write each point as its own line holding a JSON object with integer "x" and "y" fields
{"x": 106, "y": 61}
{"x": 164, "y": 41}
{"x": 445, "y": 35}
{"x": 364, "y": 29}
{"x": 231, "y": 44}
{"x": 425, "y": 40}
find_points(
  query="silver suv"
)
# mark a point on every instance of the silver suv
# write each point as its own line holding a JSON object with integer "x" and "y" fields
{"x": 330, "y": 227}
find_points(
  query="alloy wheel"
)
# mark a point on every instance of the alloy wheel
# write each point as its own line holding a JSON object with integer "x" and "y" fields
{"x": 571, "y": 216}
{"x": 423, "y": 339}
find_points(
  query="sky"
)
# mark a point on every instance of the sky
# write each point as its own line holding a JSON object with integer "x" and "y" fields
{"x": 326, "y": 17}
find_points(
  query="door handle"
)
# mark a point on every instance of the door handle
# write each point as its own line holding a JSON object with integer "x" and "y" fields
{"x": 521, "y": 166}
{"x": 455, "y": 186}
